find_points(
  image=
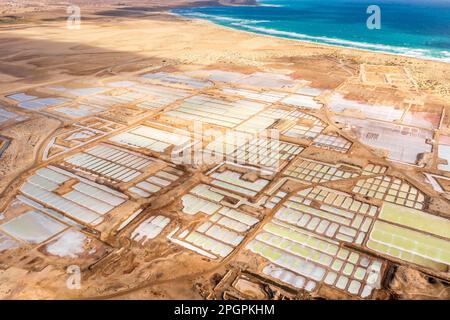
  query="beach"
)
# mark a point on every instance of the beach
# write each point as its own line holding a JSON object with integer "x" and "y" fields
{"x": 188, "y": 41}
{"x": 418, "y": 30}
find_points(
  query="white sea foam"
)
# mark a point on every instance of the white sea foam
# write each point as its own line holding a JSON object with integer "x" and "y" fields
{"x": 271, "y": 5}
{"x": 220, "y": 18}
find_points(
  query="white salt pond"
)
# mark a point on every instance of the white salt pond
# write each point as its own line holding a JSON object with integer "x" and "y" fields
{"x": 6, "y": 116}
{"x": 233, "y": 181}
{"x": 178, "y": 80}
{"x": 150, "y": 228}
{"x": 379, "y": 112}
{"x": 257, "y": 79}
{"x": 69, "y": 244}
{"x": 310, "y": 91}
{"x": 268, "y": 80}
{"x": 217, "y": 75}
{"x": 7, "y": 243}
{"x": 403, "y": 143}
{"x": 219, "y": 112}
{"x": 444, "y": 153}
{"x": 87, "y": 202}
{"x": 150, "y": 138}
{"x": 304, "y": 101}
{"x": 32, "y": 227}
{"x": 21, "y": 97}
{"x": 34, "y": 103}
{"x": 80, "y": 92}
{"x": 78, "y": 111}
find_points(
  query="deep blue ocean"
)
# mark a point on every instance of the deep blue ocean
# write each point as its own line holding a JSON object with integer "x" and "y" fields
{"x": 418, "y": 28}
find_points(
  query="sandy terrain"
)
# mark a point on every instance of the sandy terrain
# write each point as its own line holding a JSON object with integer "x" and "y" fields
{"x": 199, "y": 42}
{"x": 26, "y": 140}
{"x": 38, "y": 49}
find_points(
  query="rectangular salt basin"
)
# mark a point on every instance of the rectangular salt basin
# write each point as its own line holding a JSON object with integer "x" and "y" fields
{"x": 193, "y": 205}
{"x": 160, "y": 135}
{"x": 32, "y": 227}
{"x": 43, "y": 183}
{"x": 379, "y": 112}
{"x": 233, "y": 188}
{"x": 285, "y": 276}
{"x": 416, "y": 219}
{"x": 215, "y": 111}
{"x": 287, "y": 260}
{"x": 42, "y": 103}
{"x": 71, "y": 244}
{"x": 256, "y": 124}
{"x": 422, "y": 119}
{"x": 268, "y": 80}
{"x": 159, "y": 96}
{"x": 444, "y": 153}
{"x": 239, "y": 216}
{"x": 403, "y": 143}
{"x": 52, "y": 175}
{"x": 122, "y": 84}
{"x": 414, "y": 242}
{"x": 59, "y": 203}
{"x": 21, "y": 97}
{"x": 110, "y": 162}
{"x": 79, "y": 92}
{"x": 235, "y": 178}
{"x": 88, "y": 187}
{"x": 178, "y": 79}
{"x": 217, "y": 75}
{"x": 209, "y": 244}
{"x": 310, "y": 91}
{"x": 150, "y": 228}
{"x": 93, "y": 204}
{"x": 79, "y": 111}
{"x": 86, "y": 91}
{"x": 302, "y": 101}
{"x": 7, "y": 243}
{"x": 6, "y": 115}
{"x": 406, "y": 256}
{"x": 270, "y": 96}
{"x": 136, "y": 141}
{"x": 52, "y": 213}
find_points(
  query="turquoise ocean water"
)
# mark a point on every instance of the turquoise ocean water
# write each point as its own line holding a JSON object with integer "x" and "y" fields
{"x": 417, "y": 28}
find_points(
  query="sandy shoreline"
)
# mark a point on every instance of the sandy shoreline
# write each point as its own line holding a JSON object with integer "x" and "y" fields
{"x": 210, "y": 39}
{"x": 159, "y": 6}
{"x": 319, "y": 43}
{"x": 315, "y": 43}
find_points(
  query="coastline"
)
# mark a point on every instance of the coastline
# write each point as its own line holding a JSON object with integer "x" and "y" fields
{"x": 170, "y": 8}
{"x": 320, "y": 43}
{"x": 171, "y": 36}
{"x": 432, "y": 75}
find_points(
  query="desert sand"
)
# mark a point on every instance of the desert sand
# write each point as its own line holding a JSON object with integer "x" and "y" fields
{"x": 38, "y": 49}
